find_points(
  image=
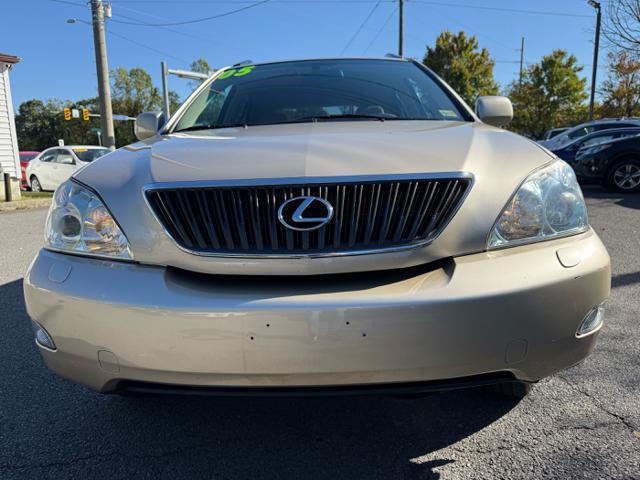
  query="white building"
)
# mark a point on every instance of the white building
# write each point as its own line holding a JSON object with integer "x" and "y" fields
{"x": 9, "y": 155}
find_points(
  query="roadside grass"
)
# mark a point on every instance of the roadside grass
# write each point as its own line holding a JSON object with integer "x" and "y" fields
{"x": 27, "y": 200}
{"x": 32, "y": 195}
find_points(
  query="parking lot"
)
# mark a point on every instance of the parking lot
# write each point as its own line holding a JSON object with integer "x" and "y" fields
{"x": 581, "y": 423}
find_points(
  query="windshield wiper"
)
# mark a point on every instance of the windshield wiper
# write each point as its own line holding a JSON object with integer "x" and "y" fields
{"x": 356, "y": 116}
{"x": 210, "y": 127}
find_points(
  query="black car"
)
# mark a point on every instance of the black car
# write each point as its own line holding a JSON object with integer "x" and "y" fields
{"x": 615, "y": 164}
{"x": 569, "y": 151}
{"x": 553, "y": 132}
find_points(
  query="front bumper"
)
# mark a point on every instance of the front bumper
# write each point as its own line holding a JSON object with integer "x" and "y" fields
{"x": 513, "y": 311}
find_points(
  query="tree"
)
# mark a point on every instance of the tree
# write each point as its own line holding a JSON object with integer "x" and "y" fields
{"x": 621, "y": 90}
{"x": 133, "y": 92}
{"x": 622, "y": 24}
{"x": 458, "y": 60}
{"x": 40, "y": 124}
{"x": 551, "y": 94}
{"x": 201, "y": 66}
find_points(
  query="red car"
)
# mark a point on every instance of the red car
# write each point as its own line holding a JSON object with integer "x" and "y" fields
{"x": 25, "y": 158}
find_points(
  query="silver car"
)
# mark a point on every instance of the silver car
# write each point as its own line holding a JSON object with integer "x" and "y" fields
{"x": 333, "y": 225}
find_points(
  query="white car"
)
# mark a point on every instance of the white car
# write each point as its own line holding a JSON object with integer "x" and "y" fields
{"x": 56, "y": 165}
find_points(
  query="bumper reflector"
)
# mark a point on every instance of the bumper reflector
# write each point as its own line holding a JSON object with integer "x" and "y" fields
{"x": 42, "y": 336}
{"x": 592, "y": 321}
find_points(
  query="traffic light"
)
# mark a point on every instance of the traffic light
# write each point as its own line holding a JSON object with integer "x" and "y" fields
{"x": 85, "y": 114}
{"x": 67, "y": 114}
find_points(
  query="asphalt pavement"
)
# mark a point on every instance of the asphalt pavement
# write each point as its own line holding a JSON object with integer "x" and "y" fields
{"x": 582, "y": 423}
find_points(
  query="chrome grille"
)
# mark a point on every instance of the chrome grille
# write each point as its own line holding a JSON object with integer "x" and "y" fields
{"x": 369, "y": 214}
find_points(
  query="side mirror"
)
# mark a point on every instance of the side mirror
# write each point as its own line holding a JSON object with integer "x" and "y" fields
{"x": 148, "y": 124}
{"x": 494, "y": 110}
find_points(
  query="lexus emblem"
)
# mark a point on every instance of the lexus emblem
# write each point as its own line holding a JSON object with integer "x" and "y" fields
{"x": 305, "y": 213}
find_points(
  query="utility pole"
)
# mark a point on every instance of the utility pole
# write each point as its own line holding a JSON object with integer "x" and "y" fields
{"x": 102, "y": 68}
{"x": 595, "y": 5}
{"x": 165, "y": 91}
{"x": 400, "y": 28}
{"x": 521, "y": 59}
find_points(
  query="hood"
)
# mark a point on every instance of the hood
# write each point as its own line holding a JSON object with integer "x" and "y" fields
{"x": 498, "y": 161}
{"x": 312, "y": 150}
{"x": 320, "y": 149}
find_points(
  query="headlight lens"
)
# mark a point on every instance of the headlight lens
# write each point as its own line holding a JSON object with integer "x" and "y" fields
{"x": 78, "y": 222}
{"x": 548, "y": 204}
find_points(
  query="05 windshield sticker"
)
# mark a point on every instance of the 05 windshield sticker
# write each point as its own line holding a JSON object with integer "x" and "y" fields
{"x": 448, "y": 113}
{"x": 236, "y": 72}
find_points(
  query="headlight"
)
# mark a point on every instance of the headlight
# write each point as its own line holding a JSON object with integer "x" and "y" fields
{"x": 548, "y": 204}
{"x": 78, "y": 222}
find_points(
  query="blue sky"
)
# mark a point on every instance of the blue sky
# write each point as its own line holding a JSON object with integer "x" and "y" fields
{"x": 58, "y": 61}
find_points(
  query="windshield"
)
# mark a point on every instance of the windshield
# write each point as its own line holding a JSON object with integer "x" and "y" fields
{"x": 320, "y": 90}
{"x": 27, "y": 157}
{"x": 90, "y": 154}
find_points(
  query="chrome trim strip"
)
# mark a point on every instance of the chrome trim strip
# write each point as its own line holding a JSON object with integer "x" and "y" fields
{"x": 285, "y": 181}
{"x": 266, "y": 182}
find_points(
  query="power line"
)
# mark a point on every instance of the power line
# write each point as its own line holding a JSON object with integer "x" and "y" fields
{"x": 153, "y": 49}
{"x": 196, "y": 20}
{"x": 425, "y": 2}
{"x": 148, "y": 47}
{"x": 377, "y": 2}
{"x": 467, "y": 28}
{"x": 168, "y": 29}
{"x": 232, "y": 2}
{"x": 501, "y": 9}
{"x": 135, "y": 42}
{"x": 360, "y": 28}
{"x": 66, "y": 2}
{"x": 380, "y": 31}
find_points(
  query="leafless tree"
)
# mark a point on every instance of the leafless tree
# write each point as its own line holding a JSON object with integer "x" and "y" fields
{"x": 621, "y": 24}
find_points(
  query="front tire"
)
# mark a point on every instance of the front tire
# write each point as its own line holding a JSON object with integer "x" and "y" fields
{"x": 624, "y": 176}
{"x": 35, "y": 184}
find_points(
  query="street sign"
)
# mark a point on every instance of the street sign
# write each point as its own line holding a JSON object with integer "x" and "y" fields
{"x": 123, "y": 117}
{"x": 75, "y": 113}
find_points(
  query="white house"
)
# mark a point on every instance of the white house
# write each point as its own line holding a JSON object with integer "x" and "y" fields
{"x": 9, "y": 156}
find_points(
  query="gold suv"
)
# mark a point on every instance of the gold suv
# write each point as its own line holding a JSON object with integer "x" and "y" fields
{"x": 332, "y": 225}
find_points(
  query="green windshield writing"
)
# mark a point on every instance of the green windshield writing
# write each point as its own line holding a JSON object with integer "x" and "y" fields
{"x": 236, "y": 72}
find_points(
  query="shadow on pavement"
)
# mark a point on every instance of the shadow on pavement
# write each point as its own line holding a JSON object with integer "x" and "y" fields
{"x": 51, "y": 426}
{"x": 628, "y": 200}
{"x": 624, "y": 279}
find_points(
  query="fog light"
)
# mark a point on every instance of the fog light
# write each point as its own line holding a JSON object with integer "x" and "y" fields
{"x": 42, "y": 336}
{"x": 592, "y": 321}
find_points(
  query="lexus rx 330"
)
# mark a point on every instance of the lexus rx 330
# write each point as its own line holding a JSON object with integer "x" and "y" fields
{"x": 340, "y": 225}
